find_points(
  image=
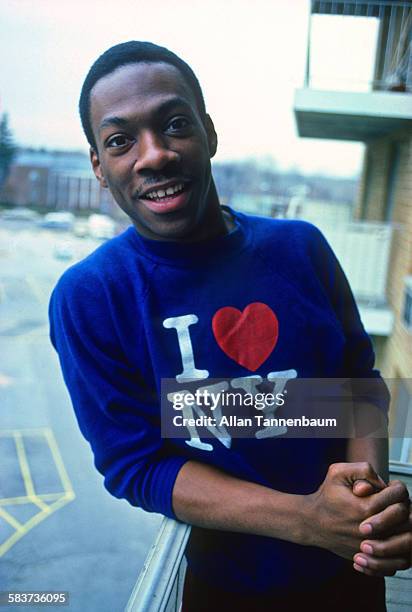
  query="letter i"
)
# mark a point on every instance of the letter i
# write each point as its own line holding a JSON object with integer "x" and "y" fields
{"x": 181, "y": 325}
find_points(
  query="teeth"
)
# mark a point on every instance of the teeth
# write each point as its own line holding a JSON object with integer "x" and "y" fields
{"x": 161, "y": 193}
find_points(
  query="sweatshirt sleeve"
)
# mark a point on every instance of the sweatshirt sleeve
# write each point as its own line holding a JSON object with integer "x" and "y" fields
{"x": 114, "y": 407}
{"x": 358, "y": 357}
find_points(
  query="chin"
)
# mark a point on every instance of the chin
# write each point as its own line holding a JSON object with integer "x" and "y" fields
{"x": 173, "y": 230}
{"x": 181, "y": 225}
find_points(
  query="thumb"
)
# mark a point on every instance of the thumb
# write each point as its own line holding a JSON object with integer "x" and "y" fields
{"x": 363, "y": 488}
{"x": 365, "y": 472}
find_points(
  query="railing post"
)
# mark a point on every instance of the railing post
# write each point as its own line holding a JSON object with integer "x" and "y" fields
{"x": 157, "y": 588}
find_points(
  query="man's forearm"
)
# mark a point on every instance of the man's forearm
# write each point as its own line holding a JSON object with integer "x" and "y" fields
{"x": 372, "y": 450}
{"x": 207, "y": 497}
{"x": 370, "y": 440}
{"x": 328, "y": 518}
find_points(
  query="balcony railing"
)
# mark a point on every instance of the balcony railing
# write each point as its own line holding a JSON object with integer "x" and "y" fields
{"x": 393, "y": 57}
{"x": 363, "y": 248}
{"x": 160, "y": 585}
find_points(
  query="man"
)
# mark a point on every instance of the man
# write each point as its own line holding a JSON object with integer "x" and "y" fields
{"x": 193, "y": 291}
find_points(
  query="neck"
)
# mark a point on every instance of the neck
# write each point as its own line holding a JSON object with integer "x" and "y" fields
{"x": 216, "y": 221}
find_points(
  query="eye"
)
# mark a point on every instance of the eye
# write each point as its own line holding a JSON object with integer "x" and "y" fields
{"x": 118, "y": 140}
{"x": 178, "y": 124}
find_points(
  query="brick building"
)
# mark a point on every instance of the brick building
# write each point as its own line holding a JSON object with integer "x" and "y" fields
{"x": 56, "y": 181}
{"x": 380, "y": 117}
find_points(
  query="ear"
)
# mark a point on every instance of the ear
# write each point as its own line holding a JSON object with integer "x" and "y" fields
{"x": 211, "y": 136}
{"x": 97, "y": 169}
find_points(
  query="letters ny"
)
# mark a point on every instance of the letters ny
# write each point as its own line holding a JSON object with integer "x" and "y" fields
{"x": 249, "y": 384}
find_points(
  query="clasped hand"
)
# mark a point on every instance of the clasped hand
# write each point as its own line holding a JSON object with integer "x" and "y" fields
{"x": 357, "y": 516}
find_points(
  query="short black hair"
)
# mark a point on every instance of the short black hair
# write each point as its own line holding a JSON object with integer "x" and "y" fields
{"x": 132, "y": 52}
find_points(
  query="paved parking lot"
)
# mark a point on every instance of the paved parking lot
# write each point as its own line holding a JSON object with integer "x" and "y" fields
{"x": 60, "y": 530}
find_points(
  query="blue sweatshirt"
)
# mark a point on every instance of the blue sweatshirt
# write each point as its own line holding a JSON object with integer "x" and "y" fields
{"x": 137, "y": 311}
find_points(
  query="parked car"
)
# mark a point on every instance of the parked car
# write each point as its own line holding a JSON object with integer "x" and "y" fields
{"x": 101, "y": 226}
{"x": 63, "y": 250}
{"x": 58, "y": 220}
{"x": 20, "y": 213}
{"x": 81, "y": 228}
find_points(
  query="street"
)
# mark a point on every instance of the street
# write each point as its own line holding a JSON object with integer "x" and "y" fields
{"x": 60, "y": 530}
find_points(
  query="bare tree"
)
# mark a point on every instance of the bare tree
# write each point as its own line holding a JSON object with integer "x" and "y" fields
{"x": 8, "y": 148}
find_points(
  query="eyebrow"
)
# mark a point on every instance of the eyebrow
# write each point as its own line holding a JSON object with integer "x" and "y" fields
{"x": 108, "y": 121}
{"x": 163, "y": 108}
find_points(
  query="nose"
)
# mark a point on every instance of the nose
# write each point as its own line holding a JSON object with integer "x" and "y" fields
{"x": 153, "y": 153}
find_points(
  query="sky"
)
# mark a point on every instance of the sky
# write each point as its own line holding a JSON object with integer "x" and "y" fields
{"x": 249, "y": 57}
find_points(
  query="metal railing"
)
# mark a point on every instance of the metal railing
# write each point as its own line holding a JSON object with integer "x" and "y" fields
{"x": 160, "y": 584}
{"x": 393, "y": 60}
{"x": 363, "y": 248}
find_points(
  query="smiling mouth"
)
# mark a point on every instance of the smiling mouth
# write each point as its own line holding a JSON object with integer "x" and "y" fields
{"x": 160, "y": 195}
{"x": 167, "y": 200}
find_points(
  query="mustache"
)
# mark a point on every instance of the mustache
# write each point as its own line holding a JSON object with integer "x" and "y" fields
{"x": 159, "y": 178}
{"x": 151, "y": 177}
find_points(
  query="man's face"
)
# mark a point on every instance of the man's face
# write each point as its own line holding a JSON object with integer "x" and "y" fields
{"x": 153, "y": 149}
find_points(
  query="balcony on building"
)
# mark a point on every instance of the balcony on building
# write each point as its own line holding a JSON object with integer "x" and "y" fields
{"x": 358, "y": 87}
{"x": 358, "y": 83}
{"x": 363, "y": 249}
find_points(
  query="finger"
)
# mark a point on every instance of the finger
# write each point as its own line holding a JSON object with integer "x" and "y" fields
{"x": 363, "y": 488}
{"x": 405, "y": 527}
{"x": 399, "y": 545}
{"x": 394, "y": 493}
{"x": 369, "y": 572}
{"x": 385, "y": 522}
{"x": 399, "y": 485}
{"x": 383, "y": 567}
{"x": 351, "y": 472}
{"x": 398, "y": 482}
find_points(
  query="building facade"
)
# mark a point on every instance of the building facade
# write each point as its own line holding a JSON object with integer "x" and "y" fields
{"x": 56, "y": 181}
{"x": 380, "y": 117}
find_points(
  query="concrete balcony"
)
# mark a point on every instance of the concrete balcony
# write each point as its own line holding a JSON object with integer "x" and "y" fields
{"x": 358, "y": 83}
{"x": 363, "y": 249}
{"x": 359, "y": 116}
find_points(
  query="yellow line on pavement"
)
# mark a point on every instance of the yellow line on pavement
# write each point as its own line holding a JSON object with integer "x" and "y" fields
{"x": 11, "y": 520}
{"x": 64, "y": 477}
{"x": 57, "y": 499}
{"x": 46, "y": 432}
{"x": 35, "y": 520}
{"x": 11, "y": 501}
{"x": 24, "y": 466}
{"x": 25, "y": 470}
{"x": 39, "y": 503}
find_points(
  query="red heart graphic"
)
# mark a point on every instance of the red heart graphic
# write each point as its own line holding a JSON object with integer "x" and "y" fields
{"x": 247, "y": 337}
